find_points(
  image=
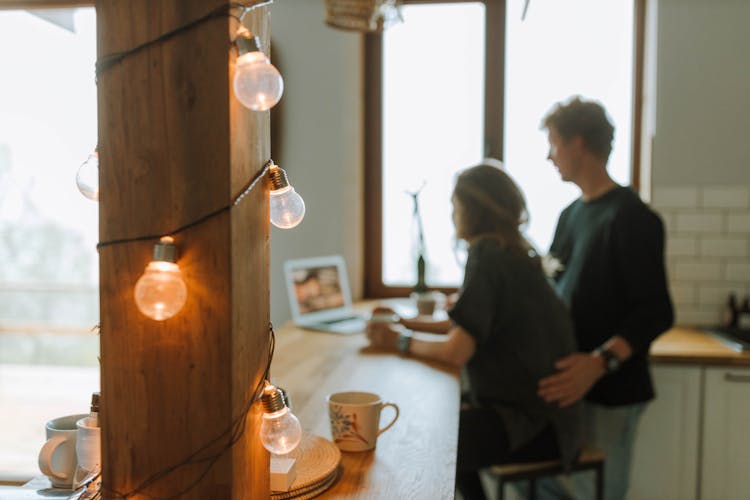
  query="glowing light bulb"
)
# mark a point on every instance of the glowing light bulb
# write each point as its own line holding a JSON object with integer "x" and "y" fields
{"x": 87, "y": 178}
{"x": 257, "y": 83}
{"x": 160, "y": 292}
{"x": 280, "y": 431}
{"x": 287, "y": 206}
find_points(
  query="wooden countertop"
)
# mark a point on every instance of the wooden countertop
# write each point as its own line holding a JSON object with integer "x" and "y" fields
{"x": 682, "y": 345}
{"x": 416, "y": 458}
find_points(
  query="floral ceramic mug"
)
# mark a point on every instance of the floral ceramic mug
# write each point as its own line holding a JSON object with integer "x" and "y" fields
{"x": 355, "y": 419}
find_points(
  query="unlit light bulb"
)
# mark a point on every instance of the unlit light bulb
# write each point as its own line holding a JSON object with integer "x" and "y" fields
{"x": 280, "y": 431}
{"x": 160, "y": 292}
{"x": 87, "y": 178}
{"x": 257, "y": 83}
{"x": 287, "y": 206}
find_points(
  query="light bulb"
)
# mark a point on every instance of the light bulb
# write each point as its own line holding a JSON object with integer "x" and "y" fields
{"x": 287, "y": 206}
{"x": 257, "y": 83}
{"x": 280, "y": 431}
{"x": 160, "y": 292}
{"x": 87, "y": 178}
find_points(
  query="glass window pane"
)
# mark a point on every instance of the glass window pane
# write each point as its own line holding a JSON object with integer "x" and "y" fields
{"x": 433, "y": 94}
{"x": 49, "y": 279}
{"x": 561, "y": 49}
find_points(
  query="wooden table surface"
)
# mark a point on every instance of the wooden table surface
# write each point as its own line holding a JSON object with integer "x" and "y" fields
{"x": 682, "y": 345}
{"x": 416, "y": 458}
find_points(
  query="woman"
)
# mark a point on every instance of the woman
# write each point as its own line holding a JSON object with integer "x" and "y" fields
{"x": 507, "y": 329}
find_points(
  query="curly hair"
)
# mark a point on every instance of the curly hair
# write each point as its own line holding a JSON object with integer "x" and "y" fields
{"x": 586, "y": 119}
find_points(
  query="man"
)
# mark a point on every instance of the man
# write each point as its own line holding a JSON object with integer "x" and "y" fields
{"x": 609, "y": 251}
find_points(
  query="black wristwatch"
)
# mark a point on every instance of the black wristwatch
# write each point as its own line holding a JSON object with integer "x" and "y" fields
{"x": 404, "y": 341}
{"x": 611, "y": 363}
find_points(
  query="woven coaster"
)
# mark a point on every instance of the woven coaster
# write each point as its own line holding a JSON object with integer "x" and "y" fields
{"x": 310, "y": 491}
{"x": 317, "y": 464}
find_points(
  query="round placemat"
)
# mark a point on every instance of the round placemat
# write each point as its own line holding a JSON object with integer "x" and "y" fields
{"x": 317, "y": 461}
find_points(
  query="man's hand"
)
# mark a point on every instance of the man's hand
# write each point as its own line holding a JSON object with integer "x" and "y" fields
{"x": 577, "y": 373}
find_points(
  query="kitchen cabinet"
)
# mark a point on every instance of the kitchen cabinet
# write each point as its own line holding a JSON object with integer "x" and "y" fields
{"x": 666, "y": 453}
{"x": 726, "y": 435}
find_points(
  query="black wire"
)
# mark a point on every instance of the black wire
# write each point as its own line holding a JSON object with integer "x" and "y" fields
{"x": 237, "y": 429}
{"x": 110, "y": 60}
{"x": 235, "y": 200}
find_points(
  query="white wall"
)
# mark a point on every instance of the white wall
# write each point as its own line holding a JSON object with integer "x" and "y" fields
{"x": 700, "y": 145}
{"x": 321, "y": 141}
{"x": 701, "y": 158}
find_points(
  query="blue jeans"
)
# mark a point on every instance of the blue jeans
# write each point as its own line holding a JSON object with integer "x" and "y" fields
{"x": 612, "y": 430}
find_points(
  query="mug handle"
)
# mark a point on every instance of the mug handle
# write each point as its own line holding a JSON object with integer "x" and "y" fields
{"x": 395, "y": 407}
{"x": 45, "y": 457}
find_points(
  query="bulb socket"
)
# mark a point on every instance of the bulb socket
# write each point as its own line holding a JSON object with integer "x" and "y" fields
{"x": 278, "y": 177}
{"x": 272, "y": 399}
{"x": 247, "y": 42}
{"x": 165, "y": 250}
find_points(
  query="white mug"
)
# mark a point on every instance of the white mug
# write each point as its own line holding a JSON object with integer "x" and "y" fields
{"x": 355, "y": 419}
{"x": 57, "y": 458}
{"x": 88, "y": 450}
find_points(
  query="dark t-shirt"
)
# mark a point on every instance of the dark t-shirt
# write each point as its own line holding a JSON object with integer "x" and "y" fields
{"x": 521, "y": 328}
{"x": 614, "y": 283}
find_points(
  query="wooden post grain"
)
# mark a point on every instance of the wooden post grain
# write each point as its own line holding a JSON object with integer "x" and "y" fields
{"x": 175, "y": 145}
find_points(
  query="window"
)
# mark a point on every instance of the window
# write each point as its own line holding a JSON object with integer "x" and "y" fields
{"x": 458, "y": 81}
{"x": 48, "y": 230}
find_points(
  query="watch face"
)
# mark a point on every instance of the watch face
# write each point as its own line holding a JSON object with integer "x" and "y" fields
{"x": 611, "y": 362}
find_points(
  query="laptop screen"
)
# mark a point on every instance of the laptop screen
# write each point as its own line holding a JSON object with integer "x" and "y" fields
{"x": 318, "y": 289}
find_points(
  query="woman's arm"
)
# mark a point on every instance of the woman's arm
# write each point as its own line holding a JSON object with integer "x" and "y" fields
{"x": 454, "y": 348}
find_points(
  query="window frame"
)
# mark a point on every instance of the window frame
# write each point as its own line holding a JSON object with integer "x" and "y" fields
{"x": 494, "y": 113}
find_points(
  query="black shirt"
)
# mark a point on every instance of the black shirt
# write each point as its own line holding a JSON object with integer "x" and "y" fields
{"x": 614, "y": 283}
{"x": 521, "y": 328}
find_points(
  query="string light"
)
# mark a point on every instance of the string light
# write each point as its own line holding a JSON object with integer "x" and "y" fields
{"x": 287, "y": 207}
{"x": 257, "y": 83}
{"x": 160, "y": 292}
{"x": 87, "y": 177}
{"x": 280, "y": 431}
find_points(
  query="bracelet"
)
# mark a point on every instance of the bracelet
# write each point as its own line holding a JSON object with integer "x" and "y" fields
{"x": 404, "y": 341}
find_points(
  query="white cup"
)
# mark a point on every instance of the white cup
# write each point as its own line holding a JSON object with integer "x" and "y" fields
{"x": 57, "y": 458}
{"x": 355, "y": 419}
{"x": 88, "y": 450}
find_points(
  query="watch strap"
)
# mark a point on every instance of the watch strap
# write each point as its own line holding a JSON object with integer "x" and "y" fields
{"x": 404, "y": 341}
{"x": 611, "y": 363}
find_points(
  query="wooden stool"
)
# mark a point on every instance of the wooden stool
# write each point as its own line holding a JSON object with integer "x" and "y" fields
{"x": 589, "y": 459}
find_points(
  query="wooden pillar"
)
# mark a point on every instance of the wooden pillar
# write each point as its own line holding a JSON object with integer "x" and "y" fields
{"x": 176, "y": 145}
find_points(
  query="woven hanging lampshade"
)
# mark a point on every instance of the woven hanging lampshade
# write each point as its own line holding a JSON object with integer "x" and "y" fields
{"x": 368, "y": 16}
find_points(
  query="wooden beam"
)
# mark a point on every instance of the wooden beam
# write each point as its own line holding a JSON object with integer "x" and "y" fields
{"x": 175, "y": 145}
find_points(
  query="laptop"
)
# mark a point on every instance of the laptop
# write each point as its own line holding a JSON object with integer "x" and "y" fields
{"x": 319, "y": 295}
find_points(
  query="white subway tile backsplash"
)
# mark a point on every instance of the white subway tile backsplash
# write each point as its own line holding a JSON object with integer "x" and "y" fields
{"x": 682, "y": 246}
{"x": 738, "y": 222}
{"x": 698, "y": 317}
{"x": 737, "y": 271}
{"x": 718, "y": 294}
{"x": 675, "y": 197}
{"x": 682, "y": 294}
{"x": 707, "y": 248}
{"x": 698, "y": 222}
{"x": 724, "y": 247}
{"x": 697, "y": 270}
{"x": 726, "y": 197}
